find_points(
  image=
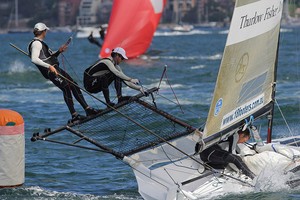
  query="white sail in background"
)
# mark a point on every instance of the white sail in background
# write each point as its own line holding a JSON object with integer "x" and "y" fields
{"x": 247, "y": 72}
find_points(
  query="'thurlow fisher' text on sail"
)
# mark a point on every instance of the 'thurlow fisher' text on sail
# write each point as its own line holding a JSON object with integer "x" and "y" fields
{"x": 257, "y": 18}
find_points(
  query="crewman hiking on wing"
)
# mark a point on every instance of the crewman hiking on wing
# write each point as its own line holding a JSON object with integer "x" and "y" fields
{"x": 99, "y": 76}
{"x": 46, "y": 61}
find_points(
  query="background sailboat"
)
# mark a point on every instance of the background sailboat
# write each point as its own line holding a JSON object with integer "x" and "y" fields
{"x": 180, "y": 26}
{"x": 132, "y": 25}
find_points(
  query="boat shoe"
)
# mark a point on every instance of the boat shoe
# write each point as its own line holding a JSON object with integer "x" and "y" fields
{"x": 92, "y": 111}
{"x": 124, "y": 98}
{"x": 76, "y": 118}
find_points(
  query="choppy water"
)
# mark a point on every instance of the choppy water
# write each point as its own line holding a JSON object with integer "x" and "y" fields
{"x": 60, "y": 172}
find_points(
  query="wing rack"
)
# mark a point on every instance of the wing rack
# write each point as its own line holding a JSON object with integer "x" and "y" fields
{"x": 128, "y": 127}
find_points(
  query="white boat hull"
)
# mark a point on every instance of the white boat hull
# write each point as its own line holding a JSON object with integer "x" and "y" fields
{"x": 187, "y": 179}
{"x": 84, "y": 32}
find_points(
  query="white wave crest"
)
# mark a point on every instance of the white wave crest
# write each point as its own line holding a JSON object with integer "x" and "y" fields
{"x": 198, "y": 67}
{"x": 212, "y": 57}
{"x": 17, "y": 66}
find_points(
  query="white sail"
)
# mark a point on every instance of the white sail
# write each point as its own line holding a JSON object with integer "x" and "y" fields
{"x": 247, "y": 72}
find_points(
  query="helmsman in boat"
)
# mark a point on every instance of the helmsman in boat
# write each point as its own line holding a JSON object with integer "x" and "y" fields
{"x": 220, "y": 155}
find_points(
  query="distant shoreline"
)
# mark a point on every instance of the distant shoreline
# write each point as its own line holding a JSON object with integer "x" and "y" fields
{"x": 67, "y": 29}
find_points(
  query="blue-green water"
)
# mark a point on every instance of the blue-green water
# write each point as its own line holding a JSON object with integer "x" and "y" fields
{"x": 60, "y": 172}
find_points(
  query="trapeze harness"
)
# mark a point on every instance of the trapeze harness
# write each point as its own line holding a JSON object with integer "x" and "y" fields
{"x": 49, "y": 57}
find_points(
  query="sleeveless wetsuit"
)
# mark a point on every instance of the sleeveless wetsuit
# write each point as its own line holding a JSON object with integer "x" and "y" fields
{"x": 47, "y": 56}
{"x": 98, "y": 77}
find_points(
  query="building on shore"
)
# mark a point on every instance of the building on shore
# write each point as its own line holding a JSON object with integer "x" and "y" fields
{"x": 17, "y": 15}
{"x": 67, "y": 12}
{"x": 93, "y": 12}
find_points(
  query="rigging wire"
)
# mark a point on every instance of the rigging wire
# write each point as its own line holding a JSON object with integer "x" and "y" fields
{"x": 205, "y": 165}
{"x": 168, "y": 99}
{"x": 132, "y": 120}
{"x": 64, "y": 59}
{"x": 167, "y": 142}
{"x": 116, "y": 110}
{"x": 164, "y": 74}
{"x": 74, "y": 145}
{"x": 296, "y": 46}
{"x": 178, "y": 186}
{"x": 171, "y": 101}
{"x": 285, "y": 121}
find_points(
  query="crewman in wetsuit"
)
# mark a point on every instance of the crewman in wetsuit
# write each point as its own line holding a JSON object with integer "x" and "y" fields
{"x": 95, "y": 41}
{"x": 46, "y": 61}
{"x": 99, "y": 76}
{"x": 220, "y": 155}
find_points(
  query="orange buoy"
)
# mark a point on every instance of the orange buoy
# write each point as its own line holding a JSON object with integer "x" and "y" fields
{"x": 12, "y": 149}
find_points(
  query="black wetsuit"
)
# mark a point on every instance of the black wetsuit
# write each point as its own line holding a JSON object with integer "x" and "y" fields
{"x": 219, "y": 158}
{"x": 98, "y": 77}
{"x": 67, "y": 88}
{"x": 94, "y": 41}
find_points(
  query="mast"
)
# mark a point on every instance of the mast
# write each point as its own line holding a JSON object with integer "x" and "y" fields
{"x": 271, "y": 115}
{"x": 16, "y": 13}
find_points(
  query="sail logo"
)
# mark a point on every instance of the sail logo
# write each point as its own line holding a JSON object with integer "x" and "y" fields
{"x": 218, "y": 106}
{"x": 241, "y": 67}
{"x": 94, "y": 82}
{"x": 242, "y": 111}
{"x": 58, "y": 79}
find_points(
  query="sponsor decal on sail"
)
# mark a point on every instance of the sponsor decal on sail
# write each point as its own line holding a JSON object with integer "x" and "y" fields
{"x": 218, "y": 106}
{"x": 252, "y": 20}
{"x": 242, "y": 111}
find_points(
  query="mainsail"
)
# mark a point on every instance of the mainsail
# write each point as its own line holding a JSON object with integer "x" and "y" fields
{"x": 246, "y": 79}
{"x": 132, "y": 25}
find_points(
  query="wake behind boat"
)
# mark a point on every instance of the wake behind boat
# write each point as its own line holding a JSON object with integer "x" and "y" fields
{"x": 163, "y": 150}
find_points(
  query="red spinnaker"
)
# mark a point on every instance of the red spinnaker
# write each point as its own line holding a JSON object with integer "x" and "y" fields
{"x": 132, "y": 25}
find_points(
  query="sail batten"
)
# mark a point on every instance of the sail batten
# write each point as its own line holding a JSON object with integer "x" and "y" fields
{"x": 248, "y": 66}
